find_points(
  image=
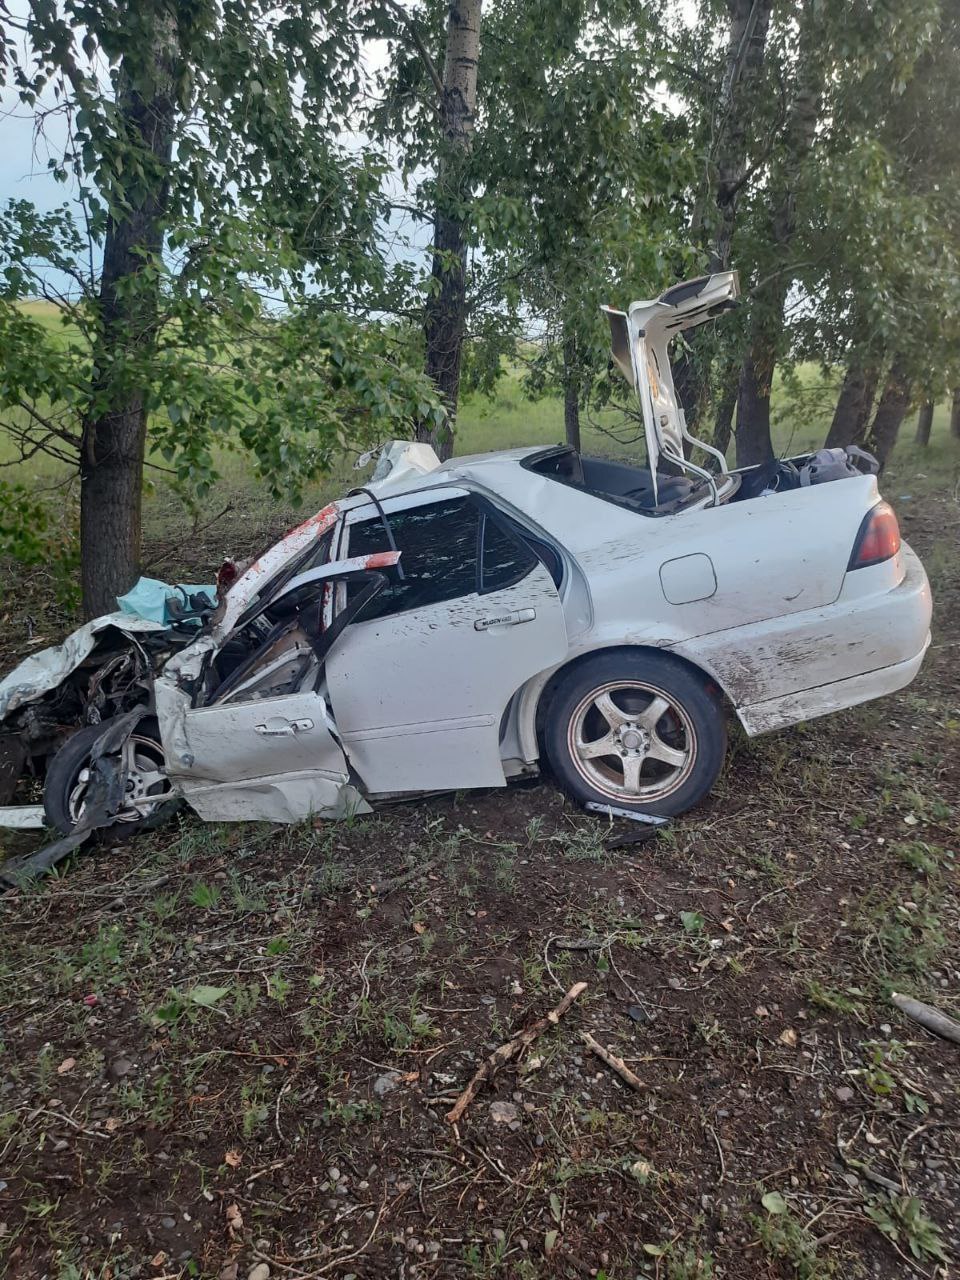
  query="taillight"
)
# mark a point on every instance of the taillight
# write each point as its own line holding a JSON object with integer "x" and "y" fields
{"x": 878, "y": 538}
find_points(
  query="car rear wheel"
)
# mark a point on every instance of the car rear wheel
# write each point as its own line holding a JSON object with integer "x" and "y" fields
{"x": 69, "y": 775}
{"x": 636, "y": 730}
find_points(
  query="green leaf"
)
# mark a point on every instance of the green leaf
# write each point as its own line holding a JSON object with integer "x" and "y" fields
{"x": 169, "y": 1012}
{"x": 774, "y": 1202}
{"x": 549, "y": 1241}
{"x": 206, "y": 996}
{"x": 555, "y": 1207}
{"x": 692, "y": 921}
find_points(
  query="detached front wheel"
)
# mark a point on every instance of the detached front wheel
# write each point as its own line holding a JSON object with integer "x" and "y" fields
{"x": 636, "y": 730}
{"x": 69, "y": 777}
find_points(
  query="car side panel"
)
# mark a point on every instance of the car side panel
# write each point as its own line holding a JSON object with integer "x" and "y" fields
{"x": 857, "y": 634}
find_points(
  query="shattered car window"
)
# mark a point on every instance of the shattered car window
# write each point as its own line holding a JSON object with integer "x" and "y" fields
{"x": 505, "y": 561}
{"x": 438, "y": 544}
{"x": 311, "y": 557}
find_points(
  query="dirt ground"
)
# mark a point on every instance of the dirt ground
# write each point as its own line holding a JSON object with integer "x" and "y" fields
{"x": 230, "y": 1051}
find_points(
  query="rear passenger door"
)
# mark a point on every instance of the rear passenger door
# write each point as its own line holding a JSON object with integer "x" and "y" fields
{"x": 421, "y": 679}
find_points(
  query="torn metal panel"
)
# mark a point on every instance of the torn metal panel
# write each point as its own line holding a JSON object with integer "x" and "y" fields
{"x": 22, "y": 817}
{"x": 634, "y": 815}
{"x": 284, "y": 798}
{"x": 257, "y": 577}
{"x": 46, "y": 670}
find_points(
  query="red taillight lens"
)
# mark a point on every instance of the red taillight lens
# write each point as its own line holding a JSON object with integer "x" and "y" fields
{"x": 878, "y": 538}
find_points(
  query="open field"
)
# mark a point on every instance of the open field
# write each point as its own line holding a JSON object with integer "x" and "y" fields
{"x": 231, "y": 1047}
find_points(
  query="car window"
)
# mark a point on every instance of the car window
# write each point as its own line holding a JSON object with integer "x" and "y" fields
{"x": 438, "y": 546}
{"x": 505, "y": 559}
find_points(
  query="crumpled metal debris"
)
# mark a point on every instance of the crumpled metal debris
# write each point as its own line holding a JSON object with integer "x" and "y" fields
{"x": 104, "y": 798}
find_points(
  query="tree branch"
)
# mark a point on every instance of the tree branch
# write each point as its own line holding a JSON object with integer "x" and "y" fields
{"x": 422, "y": 50}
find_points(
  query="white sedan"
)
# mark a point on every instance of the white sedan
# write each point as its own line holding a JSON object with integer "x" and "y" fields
{"x": 457, "y": 625}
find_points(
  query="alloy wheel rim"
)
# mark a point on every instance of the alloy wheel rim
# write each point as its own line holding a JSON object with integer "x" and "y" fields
{"x": 632, "y": 741}
{"x": 142, "y": 758}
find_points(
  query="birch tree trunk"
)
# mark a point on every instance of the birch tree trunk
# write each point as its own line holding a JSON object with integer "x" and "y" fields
{"x": 446, "y": 306}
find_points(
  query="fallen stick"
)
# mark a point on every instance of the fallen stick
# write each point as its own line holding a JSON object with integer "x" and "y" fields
{"x": 490, "y": 1066}
{"x": 613, "y": 1062}
{"x": 928, "y": 1017}
{"x": 383, "y": 887}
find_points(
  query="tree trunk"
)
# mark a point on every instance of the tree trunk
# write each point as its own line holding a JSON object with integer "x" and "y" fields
{"x": 726, "y": 405}
{"x": 754, "y": 444}
{"x": 112, "y": 451}
{"x": 848, "y": 413}
{"x": 571, "y": 393}
{"x": 871, "y": 378}
{"x": 955, "y": 414}
{"x": 891, "y": 411}
{"x": 715, "y": 212}
{"x": 749, "y": 20}
{"x": 756, "y": 377}
{"x": 447, "y": 303}
{"x": 924, "y": 423}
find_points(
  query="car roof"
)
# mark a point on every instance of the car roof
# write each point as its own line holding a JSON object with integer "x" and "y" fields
{"x": 479, "y": 467}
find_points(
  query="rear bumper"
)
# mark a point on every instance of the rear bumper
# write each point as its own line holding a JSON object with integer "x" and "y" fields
{"x": 777, "y": 713}
{"x": 868, "y": 643}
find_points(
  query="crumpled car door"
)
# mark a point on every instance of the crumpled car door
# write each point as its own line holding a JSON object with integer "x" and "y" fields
{"x": 419, "y": 694}
{"x": 274, "y": 758}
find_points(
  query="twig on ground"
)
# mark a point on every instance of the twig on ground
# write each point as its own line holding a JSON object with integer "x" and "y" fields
{"x": 489, "y": 1067}
{"x": 928, "y": 1017}
{"x": 723, "y": 1163}
{"x": 773, "y": 893}
{"x": 613, "y": 1062}
{"x": 383, "y": 887}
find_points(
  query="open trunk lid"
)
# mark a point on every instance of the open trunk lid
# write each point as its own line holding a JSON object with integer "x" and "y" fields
{"x": 640, "y": 339}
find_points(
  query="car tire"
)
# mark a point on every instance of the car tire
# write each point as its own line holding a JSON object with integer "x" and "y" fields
{"x": 664, "y": 726}
{"x": 63, "y": 787}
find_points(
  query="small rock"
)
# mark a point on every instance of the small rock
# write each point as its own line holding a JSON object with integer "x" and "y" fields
{"x": 333, "y": 1173}
{"x": 260, "y": 1272}
{"x": 844, "y": 1094}
{"x": 168, "y": 1223}
{"x": 229, "y": 1272}
{"x": 119, "y": 1068}
{"x": 503, "y": 1112}
{"x": 386, "y": 1083}
{"x": 637, "y": 1013}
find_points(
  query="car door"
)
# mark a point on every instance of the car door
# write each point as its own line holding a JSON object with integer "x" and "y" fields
{"x": 265, "y": 746}
{"x": 421, "y": 681}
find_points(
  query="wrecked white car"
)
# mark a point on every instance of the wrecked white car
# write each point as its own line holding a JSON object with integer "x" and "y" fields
{"x": 458, "y": 625}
